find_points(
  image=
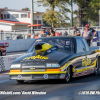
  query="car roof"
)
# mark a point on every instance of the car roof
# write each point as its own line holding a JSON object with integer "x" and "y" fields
{"x": 57, "y": 37}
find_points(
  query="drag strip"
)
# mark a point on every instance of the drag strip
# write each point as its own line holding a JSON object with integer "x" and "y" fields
{"x": 55, "y": 89}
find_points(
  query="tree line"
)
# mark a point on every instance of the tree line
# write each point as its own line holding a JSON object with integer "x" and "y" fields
{"x": 56, "y": 14}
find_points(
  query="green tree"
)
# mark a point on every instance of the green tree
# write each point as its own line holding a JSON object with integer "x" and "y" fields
{"x": 75, "y": 22}
{"x": 56, "y": 13}
{"x": 93, "y": 23}
{"x": 93, "y": 11}
{"x": 89, "y": 9}
{"x": 26, "y": 9}
{"x": 6, "y": 7}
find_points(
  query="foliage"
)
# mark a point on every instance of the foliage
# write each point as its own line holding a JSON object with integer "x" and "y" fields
{"x": 90, "y": 9}
{"x": 26, "y": 9}
{"x": 93, "y": 23}
{"x": 6, "y": 7}
{"x": 75, "y": 23}
{"x": 57, "y": 12}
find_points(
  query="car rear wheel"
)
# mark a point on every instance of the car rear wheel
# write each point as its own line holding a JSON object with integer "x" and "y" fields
{"x": 0, "y": 53}
{"x": 97, "y": 68}
{"x": 68, "y": 74}
{"x": 20, "y": 81}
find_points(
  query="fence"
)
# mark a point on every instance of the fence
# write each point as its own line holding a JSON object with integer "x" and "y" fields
{"x": 13, "y": 35}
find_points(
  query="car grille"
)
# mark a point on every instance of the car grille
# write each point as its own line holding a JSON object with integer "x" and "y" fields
{"x": 34, "y": 66}
{"x": 35, "y": 70}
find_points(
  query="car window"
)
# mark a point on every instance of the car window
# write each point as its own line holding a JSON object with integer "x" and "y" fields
{"x": 86, "y": 45}
{"x": 65, "y": 45}
{"x": 80, "y": 46}
{"x": 99, "y": 33}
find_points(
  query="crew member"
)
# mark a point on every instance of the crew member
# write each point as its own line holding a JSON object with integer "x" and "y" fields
{"x": 94, "y": 32}
{"x": 87, "y": 34}
{"x": 76, "y": 31}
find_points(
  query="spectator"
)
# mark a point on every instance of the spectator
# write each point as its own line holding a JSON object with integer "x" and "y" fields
{"x": 65, "y": 33}
{"x": 42, "y": 35}
{"x": 50, "y": 33}
{"x": 19, "y": 37}
{"x": 57, "y": 34}
{"x": 76, "y": 31}
{"x": 87, "y": 34}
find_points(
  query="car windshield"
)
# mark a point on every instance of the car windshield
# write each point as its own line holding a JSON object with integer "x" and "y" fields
{"x": 63, "y": 44}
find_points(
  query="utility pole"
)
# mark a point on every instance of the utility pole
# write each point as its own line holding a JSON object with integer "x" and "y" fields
{"x": 32, "y": 16}
{"x": 99, "y": 17}
{"x": 71, "y": 13}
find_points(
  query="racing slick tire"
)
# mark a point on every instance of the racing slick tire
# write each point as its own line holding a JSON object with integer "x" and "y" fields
{"x": 68, "y": 75}
{"x": 0, "y": 53}
{"x": 96, "y": 70}
{"x": 20, "y": 81}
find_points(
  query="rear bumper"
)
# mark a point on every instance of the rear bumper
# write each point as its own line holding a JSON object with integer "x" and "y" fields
{"x": 20, "y": 76}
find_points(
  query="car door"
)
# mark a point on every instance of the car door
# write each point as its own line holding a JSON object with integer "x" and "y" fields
{"x": 80, "y": 65}
{"x": 91, "y": 59}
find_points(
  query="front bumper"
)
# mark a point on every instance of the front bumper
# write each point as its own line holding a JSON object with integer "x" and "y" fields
{"x": 37, "y": 76}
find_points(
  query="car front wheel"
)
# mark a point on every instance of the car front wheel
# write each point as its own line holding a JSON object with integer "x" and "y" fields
{"x": 68, "y": 75}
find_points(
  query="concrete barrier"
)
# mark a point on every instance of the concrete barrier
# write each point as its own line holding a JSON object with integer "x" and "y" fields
{"x": 18, "y": 45}
{"x": 6, "y": 61}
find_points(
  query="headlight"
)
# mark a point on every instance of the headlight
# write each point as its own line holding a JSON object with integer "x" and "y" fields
{"x": 52, "y": 65}
{"x": 15, "y": 66}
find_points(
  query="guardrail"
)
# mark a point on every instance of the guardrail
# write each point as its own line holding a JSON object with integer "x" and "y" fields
{"x": 13, "y": 35}
{"x": 6, "y": 61}
{"x": 18, "y": 45}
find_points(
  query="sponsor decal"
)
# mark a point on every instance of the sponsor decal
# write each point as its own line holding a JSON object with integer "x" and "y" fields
{"x": 97, "y": 50}
{"x": 84, "y": 73}
{"x": 11, "y": 59}
{"x": 38, "y": 40}
{"x": 36, "y": 57}
{"x": 54, "y": 48}
{"x": 45, "y": 76}
{"x": 86, "y": 62}
{"x": 32, "y": 68}
{"x": 19, "y": 76}
{"x": 67, "y": 42}
{"x": 48, "y": 51}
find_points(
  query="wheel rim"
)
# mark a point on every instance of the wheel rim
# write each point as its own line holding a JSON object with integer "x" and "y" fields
{"x": 68, "y": 74}
{"x": 96, "y": 69}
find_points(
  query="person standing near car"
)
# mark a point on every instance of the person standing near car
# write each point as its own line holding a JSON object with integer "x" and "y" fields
{"x": 94, "y": 32}
{"x": 87, "y": 34}
{"x": 76, "y": 31}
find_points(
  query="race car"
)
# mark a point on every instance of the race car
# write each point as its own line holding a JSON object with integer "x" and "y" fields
{"x": 56, "y": 58}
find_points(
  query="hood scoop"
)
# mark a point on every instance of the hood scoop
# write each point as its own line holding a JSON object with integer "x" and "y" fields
{"x": 44, "y": 48}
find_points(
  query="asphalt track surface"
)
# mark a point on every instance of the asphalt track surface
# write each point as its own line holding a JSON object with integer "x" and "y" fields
{"x": 55, "y": 89}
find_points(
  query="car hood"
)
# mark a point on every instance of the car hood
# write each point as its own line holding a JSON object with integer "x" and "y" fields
{"x": 43, "y": 53}
{"x": 55, "y": 56}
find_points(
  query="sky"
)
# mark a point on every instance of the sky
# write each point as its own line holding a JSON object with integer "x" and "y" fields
{"x": 19, "y": 4}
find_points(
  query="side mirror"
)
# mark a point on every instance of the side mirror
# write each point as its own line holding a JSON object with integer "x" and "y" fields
{"x": 84, "y": 49}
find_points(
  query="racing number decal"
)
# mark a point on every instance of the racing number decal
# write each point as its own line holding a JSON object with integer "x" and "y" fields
{"x": 86, "y": 62}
